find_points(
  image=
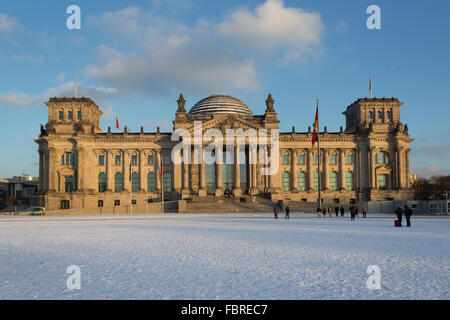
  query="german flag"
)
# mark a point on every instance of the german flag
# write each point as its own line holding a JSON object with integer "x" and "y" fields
{"x": 316, "y": 123}
{"x": 117, "y": 123}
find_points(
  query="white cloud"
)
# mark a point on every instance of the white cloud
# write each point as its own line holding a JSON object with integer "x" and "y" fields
{"x": 27, "y": 58}
{"x": 273, "y": 27}
{"x": 60, "y": 77}
{"x": 21, "y": 99}
{"x": 8, "y": 28}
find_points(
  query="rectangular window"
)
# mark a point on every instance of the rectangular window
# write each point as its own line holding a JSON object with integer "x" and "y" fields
{"x": 69, "y": 159}
{"x": 79, "y": 115}
{"x": 301, "y": 159}
{"x": 382, "y": 181}
{"x": 134, "y": 160}
{"x": 101, "y": 160}
{"x": 150, "y": 160}
{"x": 333, "y": 159}
{"x": 117, "y": 203}
{"x": 61, "y": 115}
{"x": 117, "y": 160}
{"x": 349, "y": 159}
{"x": 133, "y": 201}
{"x": 166, "y": 160}
{"x": 285, "y": 159}
{"x": 100, "y": 203}
{"x": 70, "y": 115}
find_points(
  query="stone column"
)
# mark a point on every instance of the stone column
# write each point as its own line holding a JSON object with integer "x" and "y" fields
{"x": 186, "y": 191}
{"x": 401, "y": 168}
{"x": 52, "y": 161}
{"x": 109, "y": 163}
{"x": 142, "y": 185}
{"x": 310, "y": 169}
{"x": 293, "y": 169}
{"x": 253, "y": 160}
{"x": 219, "y": 160}
{"x": 407, "y": 168}
{"x": 158, "y": 170}
{"x": 326, "y": 169}
{"x": 202, "y": 178}
{"x": 237, "y": 192}
{"x": 341, "y": 168}
{"x": 372, "y": 168}
{"x": 81, "y": 158}
{"x": 126, "y": 171}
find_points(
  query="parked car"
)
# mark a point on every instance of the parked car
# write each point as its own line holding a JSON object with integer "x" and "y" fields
{"x": 38, "y": 211}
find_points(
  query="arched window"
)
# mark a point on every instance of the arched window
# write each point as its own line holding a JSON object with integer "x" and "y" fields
{"x": 381, "y": 158}
{"x": 79, "y": 115}
{"x": 349, "y": 180}
{"x": 167, "y": 181}
{"x": 388, "y": 115}
{"x": 151, "y": 182}
{"x": 70, "y": 116}
{"x": 61, "y": 115}
{"x": 68, "y": 184}
{"x": 316, "y": 181}
{"x": 118, "y": 182}
{"x": 301, "y": 181}
{"x": 333, "y": 180}
{"x": 379, "y": 115}
{"x": 102, "y": 182}
{"x": 285, "y": 181}
{"x": 370, "y": 116}
{"x": 135, "y": 182}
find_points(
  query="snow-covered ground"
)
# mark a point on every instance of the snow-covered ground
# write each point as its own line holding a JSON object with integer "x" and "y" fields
{"x": 227, "y": 256}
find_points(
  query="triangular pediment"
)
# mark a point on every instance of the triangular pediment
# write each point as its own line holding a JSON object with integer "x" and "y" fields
{"x": 224, "y": 123}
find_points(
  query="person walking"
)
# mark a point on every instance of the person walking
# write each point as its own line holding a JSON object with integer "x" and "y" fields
{"x": 336, "y": 210}
{"x": 275, "y": 211}
{"x": 342, "y": 211}
{"x": 356, "y": 212}
{"x": 330, "y": 212}
{"x": 287, "y": 209}
{"x": 408, "y": 214}
{"x": 364, "y": 210}
{"x": 319, "y": 212}
{"x": 352, "y": 213}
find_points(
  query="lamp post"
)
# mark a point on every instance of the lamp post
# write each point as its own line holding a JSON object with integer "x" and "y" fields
{"x": 445, "y": 194}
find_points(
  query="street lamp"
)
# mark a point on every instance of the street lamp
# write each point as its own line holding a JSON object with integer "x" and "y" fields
{"x": 445, "y": 194}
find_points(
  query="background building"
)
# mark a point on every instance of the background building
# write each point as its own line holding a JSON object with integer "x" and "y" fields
{"x": 86, "y": 169}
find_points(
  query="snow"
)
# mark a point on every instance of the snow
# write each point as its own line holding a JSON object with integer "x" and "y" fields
{"x": 223, "y": 256}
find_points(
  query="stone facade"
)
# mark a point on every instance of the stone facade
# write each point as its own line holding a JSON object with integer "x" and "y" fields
{"x": 87, "y": 170}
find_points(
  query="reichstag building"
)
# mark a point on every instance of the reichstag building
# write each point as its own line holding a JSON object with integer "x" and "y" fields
{"x": 84, "y": 169}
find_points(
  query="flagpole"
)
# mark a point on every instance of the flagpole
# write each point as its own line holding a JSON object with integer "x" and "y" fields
{"x": 162, "y": 185}
{"x": 131, "y": 189}
{"x": 370, "y": 86}
{"x": 318, "y": 160}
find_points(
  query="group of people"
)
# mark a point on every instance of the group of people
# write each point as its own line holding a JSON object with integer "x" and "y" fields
{"x": 408, "y": 213}
{"x": 322, "y": 212}
{"x": 286, "y": 209}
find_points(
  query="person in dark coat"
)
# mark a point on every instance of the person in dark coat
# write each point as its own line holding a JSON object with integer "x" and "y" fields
{"x": 342, "y": 211}
{"x": 356, "y": 212}
{"x": 352, "y": 213}
{"x": 398, "y": 213}
{"x": 408, "y": 214}
{"x": 275, "y": 211}
{"x": 287, "y": 209}
{"x": 336, "y": 209}
{"x": 319, "y": 212}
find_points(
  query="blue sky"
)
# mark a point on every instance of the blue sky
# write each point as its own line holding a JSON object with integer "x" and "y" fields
{"x": 134, "y": 57}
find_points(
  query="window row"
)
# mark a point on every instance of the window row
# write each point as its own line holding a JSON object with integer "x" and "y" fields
{"x": 135, "y": 182}
{"x": 302, "y": 159}
{"x": 301, "y": 181}
{"x": 370, "y": 115}
{"x": 68, "y": 159}
{"x": 69, "y": 115}
{"x": 134, "y": 160}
